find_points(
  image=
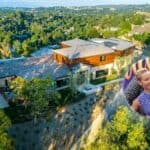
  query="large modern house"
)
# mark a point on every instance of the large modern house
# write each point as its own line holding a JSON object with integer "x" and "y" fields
{"x": 91, "y": 59}
{"x": 77, "y": 61}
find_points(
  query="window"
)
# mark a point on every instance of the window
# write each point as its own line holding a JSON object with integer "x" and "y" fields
{"x": 101, "y": 73}
{"x": 102, "y": 58}
{"x": 62, "y": 82}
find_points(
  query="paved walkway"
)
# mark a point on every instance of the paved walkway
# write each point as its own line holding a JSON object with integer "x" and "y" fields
{"x": 3, "y": 103}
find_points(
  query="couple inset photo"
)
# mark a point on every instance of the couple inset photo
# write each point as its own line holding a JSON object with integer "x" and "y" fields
{"x": 136, "y": 86}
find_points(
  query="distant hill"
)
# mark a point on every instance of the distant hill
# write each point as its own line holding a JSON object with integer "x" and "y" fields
{"x": 122, "y": 8}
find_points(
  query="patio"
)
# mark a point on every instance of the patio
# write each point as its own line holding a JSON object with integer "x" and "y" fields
{"x": 89, "y": 89}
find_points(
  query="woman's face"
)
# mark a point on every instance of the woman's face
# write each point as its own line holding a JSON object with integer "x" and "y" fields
{"x": 145, "y": 80}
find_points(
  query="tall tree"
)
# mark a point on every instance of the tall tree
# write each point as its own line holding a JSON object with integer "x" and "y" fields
{"x": 123, "y": 132}
{"x": 5, "y": 50}
{"x": 37, "y": 93}
{"x": 18, "y": 47}
{"x": 6, "y": 143}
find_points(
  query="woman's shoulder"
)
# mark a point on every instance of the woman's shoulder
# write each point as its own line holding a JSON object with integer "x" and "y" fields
{"x": 144, "y": 94}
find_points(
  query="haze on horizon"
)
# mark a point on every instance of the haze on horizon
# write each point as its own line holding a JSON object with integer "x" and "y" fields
{"x": 50, "y": 3}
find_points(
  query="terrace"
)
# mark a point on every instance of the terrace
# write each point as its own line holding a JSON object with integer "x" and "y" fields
{"x": 89, "y": 89}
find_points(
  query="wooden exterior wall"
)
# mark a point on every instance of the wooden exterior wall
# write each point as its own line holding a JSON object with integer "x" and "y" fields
{"x": 60, "y": 58}
{"x": 93, "y": 60}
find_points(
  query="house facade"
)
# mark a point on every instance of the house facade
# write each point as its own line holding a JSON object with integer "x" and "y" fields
{"x": 91, "y": 59}
{"x": 74, "y": 64}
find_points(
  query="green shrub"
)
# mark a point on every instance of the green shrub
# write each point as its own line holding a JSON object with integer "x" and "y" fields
{"x": 125, "y": 131}
{"x": 68, "y": 96}
{"x": 105, "y": 79}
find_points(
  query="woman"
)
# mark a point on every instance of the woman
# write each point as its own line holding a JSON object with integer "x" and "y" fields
{"x": 142, "y": 102}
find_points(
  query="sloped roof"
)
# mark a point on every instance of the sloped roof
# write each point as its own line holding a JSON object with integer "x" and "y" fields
{"x": 83, "y": 51}
{"x": 77, "y": 42}
{"x": 33, "y": 67}
{"x": 120, "y": 44}
{"x": 81, "y": 48}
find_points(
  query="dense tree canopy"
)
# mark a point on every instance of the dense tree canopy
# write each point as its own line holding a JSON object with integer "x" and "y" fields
{"x": 123, "y": 132}
{"x": 36, "y": 93}
{"x": 27, "y": 30}
{"x": 143, "y": 38}
{"x": 6, "y": 143}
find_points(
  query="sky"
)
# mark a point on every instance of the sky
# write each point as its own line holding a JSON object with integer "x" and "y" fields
{"x": 50, "y": 3}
